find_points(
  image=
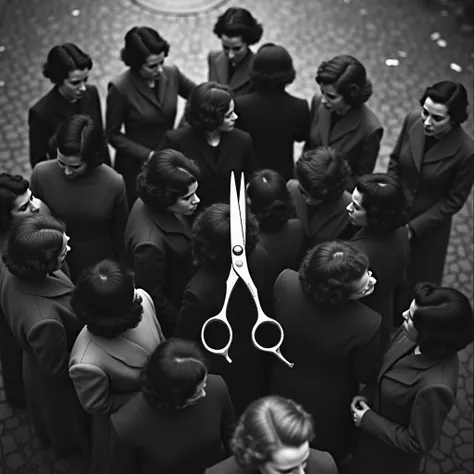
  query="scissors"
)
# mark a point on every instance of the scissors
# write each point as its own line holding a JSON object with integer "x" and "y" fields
{"x": 239, "y": 269}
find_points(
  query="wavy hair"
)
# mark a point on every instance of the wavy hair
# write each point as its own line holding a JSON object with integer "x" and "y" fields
{"x": 235, "y": 22}
{"x": 11, "y": 186}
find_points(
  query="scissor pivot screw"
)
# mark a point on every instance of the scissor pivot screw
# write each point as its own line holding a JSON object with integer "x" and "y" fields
{"x": 239, "y": 263}
{"x": 238, "y": 250}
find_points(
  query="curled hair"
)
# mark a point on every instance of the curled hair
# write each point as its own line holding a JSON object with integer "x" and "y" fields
{"x": 451, "y": 94}
{"x": 270, "y": 201}
{"x": 172, "y": 374}
{"x": 384, "y": 201}
{"x": 11, "y": 186}
{"x": 211, "y": 236}
{"x": 141, "y": 42}
{"x": 329, "y": 271}
{"x": 207, "y": 106}
{"x": 238, "y": 22}
{"x": 323, "y": 173}
{"x": 34, "y": 246}
{"x": 104, "y": 299}
{"x": 63, "y": 59}
{"x": 348, "y": 75}
{"x": 443, "y": 318}
{"x": 268, "y": 424}
{"x": 165, "y": 178}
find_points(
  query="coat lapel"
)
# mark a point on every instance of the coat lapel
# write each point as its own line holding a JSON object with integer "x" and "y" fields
{"x": 324, "y": 125}
{"x": 241, "y": 73}
{"x": 144, "y": 89}
{"x": 170, "y": 224}
{"x": 347, "y": 123}
{"x": 222, "y": 68}
{"x": 162, "y": 87}
{"x": 445, "y": 147}
{"x": 54, "y": 285}
{"x": 416, "y": 137}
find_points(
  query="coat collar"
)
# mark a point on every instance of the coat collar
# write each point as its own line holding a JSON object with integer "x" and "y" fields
{"x": 241, "y": 73}
{"x": 146, "y": 91}
{"x": 62, "y": 108}
{"x": 168, "y": 222}
{"x": 54, "y": 285}
{"x": 346, "y": 124}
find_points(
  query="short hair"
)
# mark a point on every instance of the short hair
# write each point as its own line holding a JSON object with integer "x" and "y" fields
{"x": 236, "y": 22}
{"x": 348, "y": 75}
{"x": 104, "y": 299}
{"x": 451, "y": 94}
{"x": 266, "y": 425}
{"x": 34, "y": 246}
{"x": 165, "y": 178}
{"x": 11, "y": 186}
{"x": 384, "y": 201}
{"x": 323, "y": 173}
{"x": 210, "y": 235}
{"x": 272, "y": 68}
{"x": 329, "y": 271}
{"x": 270, "y": 200}
{"x": 207, "y": 106}
{"x": 141, "y": 42}
{"x": 443, "y": 319}
{"x": 172, "y": 373}
{"x": 62, "y": 59}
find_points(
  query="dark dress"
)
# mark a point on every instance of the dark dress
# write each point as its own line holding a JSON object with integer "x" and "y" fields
{"x": 275, "y": 121}
{"x": 334, "y": 348}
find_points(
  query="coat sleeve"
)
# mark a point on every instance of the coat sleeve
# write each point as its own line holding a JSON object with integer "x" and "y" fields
{"x": 209, "y": 67}
{"x": 103, "y": 148}
{"x": 119, "y": 220}
{"x": 185, "y": 85}
{"x": 366, "y": 357}
{"x": 228, "y": 420}
{"x": 39, "y": 135}
{"x": 303, "y": 124}
{"x": 250, "y": 160}
{"x": 124, "y": 458}
{"x": 192, "y": 316}
{"x": 393, "y": 164}
{"x": 429, "y": 411}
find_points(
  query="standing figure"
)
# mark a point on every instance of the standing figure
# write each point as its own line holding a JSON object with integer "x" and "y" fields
{"x": 340, "y": 118}
{"x": 143, "y": 100}
{"x": 68, "y": 68}
{"x": 434, "y": 160}
{"x": 237, "y": 29}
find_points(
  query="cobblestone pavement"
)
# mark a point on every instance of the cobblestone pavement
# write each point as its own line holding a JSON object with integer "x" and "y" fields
{"x": 372, "y": 30}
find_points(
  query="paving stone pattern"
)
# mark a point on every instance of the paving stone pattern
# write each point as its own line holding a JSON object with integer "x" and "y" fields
{"x": 312, "y": 30}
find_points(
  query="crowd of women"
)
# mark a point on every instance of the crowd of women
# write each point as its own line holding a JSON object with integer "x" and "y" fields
{"x": 108, "y": 275}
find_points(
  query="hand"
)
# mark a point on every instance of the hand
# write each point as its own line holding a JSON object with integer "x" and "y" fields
{"x": 359, "y": 407}
{"x": 410, "y": 232}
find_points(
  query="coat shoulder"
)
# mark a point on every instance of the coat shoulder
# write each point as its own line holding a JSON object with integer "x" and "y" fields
{"x": 44, "y": 104}
{"x": 321, "y": 462}
{"x": 371, "y": 120}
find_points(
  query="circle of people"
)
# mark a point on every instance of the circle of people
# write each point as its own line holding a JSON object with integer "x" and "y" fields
{"x": 348, "y": 261}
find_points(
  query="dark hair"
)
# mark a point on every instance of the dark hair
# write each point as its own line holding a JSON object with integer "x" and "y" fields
{"x": 443, "y": 319}
{"x": 266, "y": 425}
{"x": 104, "y": 299}
{"x": 272, "y": 68}
{"x": 207, "y": 106}
{"x": 236, "y": 22}
{"x": 165, "y": 178}
{"x": 348, "y": 76}
{"x": 34, "y": 246}
{"x": 329, "y": 271}
{"x": 322, "y": 173}
{"x": 384, "y": 201}
{"x": 211, "y": 236}
{"x": 141, "y": 42}
{"x": 172, "y": 374}
{"x": 270, "y": 201}
{"x": 11, "y": 186}
{"x": 63, "y": 59}
{"x": 451, "y": 94}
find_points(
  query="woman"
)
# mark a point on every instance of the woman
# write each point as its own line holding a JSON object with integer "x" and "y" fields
{"x": 182, "y": 421}
{"x": 332, "y": 338}
{"x": 212, "y": 142}
{"x": 282, "y": 236}
{"x": 237, "y": 29}
{"x": 121, "y": 331}
{"x": 158, "y": 234}
{"x": 379, "y": 209}
{"x": 68, "y": 68}
{"x": 35, "y": 296}
{"x": 401, "y": 415}
{"x": 143, "y": 99}
{"x": 273, "y": 436}
{"x": 204, "y": 296}
{"x": 87, "y": 195}
{"x": 274, "y": 118}
{"x": 319, "y": 197}
{"x": 340, "y": 117}
{"x": 434, "y": 160}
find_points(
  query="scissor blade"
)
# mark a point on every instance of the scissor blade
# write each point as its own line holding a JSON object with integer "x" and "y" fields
{"x": 243, "y": 205}
{"x": 236, "y": 231}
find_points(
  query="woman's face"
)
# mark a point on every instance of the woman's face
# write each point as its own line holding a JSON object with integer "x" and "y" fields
{"x": 436, "y": 119}
{"x": 72, "y": 166}
{"x": 408, "y": 325}
{"x": 229, "y": 119}
{"x": 234, "y": 48}
{"x": 64, "y": 250}
{"x": 287, "y": 460}
{"x": 74, "y": 86}
{"x": 152, "y": 69}
{"x": 332, "y": 100}
{"x": 364, "y": 286}
{"x": 25, "y": 205}
{"x": 187, "y": 204}
{"x": 357, "y": 214}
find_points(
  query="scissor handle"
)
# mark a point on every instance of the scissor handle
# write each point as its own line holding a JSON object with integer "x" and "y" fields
{"x": 224, "y": 351}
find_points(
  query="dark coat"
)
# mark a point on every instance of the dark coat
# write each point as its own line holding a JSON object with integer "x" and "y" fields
{"x": 334, "y": 348}
{"x": 439, "y": 183}
{"x": 410, "y": 402}
{"x": 158, "y": 248}
{"x": 146, "y": 114}
{"x": 275, "y": 121}
{"x": 218, "y": 71}
{"x": 235, "y": 153}
{"x": 147, "y": 440}
{"x": 51, "y": 111}
{"x": 357, "y": 135}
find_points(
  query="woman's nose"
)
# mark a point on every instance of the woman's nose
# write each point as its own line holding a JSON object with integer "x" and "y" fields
{"x": 82, "y": 86}
{"x": 196, "y": 199}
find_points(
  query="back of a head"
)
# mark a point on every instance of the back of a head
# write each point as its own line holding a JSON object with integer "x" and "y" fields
{"x": 64, "y": 58}
{"x": 238, "y": 22}
{"x": 11, "y": 186}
